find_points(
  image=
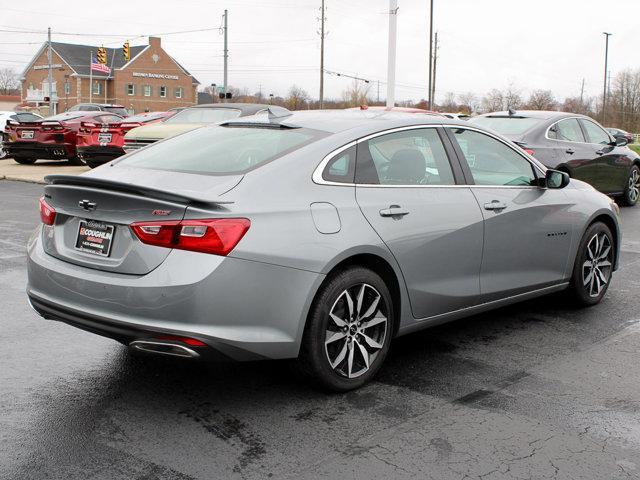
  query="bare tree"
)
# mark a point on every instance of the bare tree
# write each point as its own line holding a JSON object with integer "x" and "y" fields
{"x": 9, "y": 82}
{"x": 356, "y": 94}
{"x": 541, "y": 100}
{"x": 449, "y": 104}
{"x": 493, "y": 101}
{"x": 512, "y": 98}
{"x": 578, "y": 105}
{"x": 468, "y": 102}
{"x": 297, "y": 98}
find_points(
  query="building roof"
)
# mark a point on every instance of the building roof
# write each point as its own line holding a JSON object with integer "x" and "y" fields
{"x": 77, "y": 57}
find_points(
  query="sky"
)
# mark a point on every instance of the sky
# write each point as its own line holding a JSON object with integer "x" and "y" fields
{"x": 273, "y": 44}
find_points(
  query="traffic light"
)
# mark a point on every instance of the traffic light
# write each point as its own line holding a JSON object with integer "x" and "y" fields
{"x": 126, "y": 52}
{"x": 102, "y": 55}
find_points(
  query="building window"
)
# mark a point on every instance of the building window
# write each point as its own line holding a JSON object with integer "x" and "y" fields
{"x": 131, "y": 89}
{"x": 177, "y": 92}
{"x": 146, "y": 90}
{"x": 163, "y": 91}
{"x": 67, "y": 88}
{"x": 97, "y": 88}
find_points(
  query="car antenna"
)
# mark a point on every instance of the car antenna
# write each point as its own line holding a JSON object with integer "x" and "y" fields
{"x": 512, "y": 112}
{"x": 275, "y": 111}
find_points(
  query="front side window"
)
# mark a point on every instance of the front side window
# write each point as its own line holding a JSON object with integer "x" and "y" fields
{"x": 567, "y": 130}
{"x": 147, "y": 90}
{"x": 341, "y": 167}
{"x": 131, "y": 89}
{"x": 408, "y": 157}
{"x": 595, "y": 134}
{"x": 177, "y": 92}
{"x": 163, "y": 91}
{"x": 492, "y": 162}
{"x": 218, "y": 150}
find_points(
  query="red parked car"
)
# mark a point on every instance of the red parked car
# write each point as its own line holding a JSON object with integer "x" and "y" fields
{"x": 52, "y": 138}
{"x": 100, "y": 143}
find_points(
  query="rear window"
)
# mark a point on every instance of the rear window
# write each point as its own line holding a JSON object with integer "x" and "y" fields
{"x": 204, "y": 115}
{"x": 220, "y": 150}
{"x": 146, "y": 117}
{"x": 117, "y": 110}
{"x": 66, "y": 116}
{"x": 507, "y": 125}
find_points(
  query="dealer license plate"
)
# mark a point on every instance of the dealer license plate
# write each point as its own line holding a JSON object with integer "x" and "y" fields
{"x": 95, "y": 237}
{"x": 104, "y": 137}
{"x": 26, "y": 134}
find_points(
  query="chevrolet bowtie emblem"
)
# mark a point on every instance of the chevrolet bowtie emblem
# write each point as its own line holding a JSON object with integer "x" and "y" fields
{"x": 87, "y": 205}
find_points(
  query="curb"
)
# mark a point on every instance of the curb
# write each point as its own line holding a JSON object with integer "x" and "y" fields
{"x": 26, "y": 180}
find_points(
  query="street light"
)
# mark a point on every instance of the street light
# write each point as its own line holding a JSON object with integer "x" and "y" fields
{"x": 604, "y": 90}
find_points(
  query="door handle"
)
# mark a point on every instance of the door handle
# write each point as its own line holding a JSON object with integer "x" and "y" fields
{"x": 570, "y": 151}
{"x": 394, "y": 211}
{"x": 495, "y": 205}
{"x": 599, "y": 152}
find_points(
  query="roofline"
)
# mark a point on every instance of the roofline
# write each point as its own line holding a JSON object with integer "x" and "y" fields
{"x": 33, "y": 60}
{"x": 134, "y": 58}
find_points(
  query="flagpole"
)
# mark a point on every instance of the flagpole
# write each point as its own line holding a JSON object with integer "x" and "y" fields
{"x": 91, "y": 76}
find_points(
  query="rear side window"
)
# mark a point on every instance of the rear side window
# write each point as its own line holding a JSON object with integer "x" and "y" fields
{"x": 408, "y": 157}
{"x": 567, "y": 130}
{"x": 341, "y": 168}
{"x": 595, "y": 134}
{"x": 492, "y": 162}
{"x": 220, "y": 150}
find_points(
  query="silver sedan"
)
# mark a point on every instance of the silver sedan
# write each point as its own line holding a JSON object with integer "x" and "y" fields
{"x": 313, "y": 235}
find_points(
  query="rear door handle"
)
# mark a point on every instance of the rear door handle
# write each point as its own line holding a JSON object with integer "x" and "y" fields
{"x": 570, "y": 151}
{"x": 495, "y": 205}
{"x": 394, "y": 211}
{"x": 599, "y": 152}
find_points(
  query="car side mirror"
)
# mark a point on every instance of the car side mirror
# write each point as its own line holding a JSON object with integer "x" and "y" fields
{"x": 621, "y": 141}
{"x": 556, "y": 179}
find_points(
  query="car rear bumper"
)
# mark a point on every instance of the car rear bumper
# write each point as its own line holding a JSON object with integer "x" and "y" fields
{"x": 244, "y": 310}
{"x": 97, "y": 155}
{"x": 51, "y": 151}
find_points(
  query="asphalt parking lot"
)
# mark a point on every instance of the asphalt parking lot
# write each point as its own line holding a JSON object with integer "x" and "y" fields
{"x": 536, "y": 390}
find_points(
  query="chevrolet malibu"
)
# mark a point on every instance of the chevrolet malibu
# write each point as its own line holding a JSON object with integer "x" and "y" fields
{"x": 313, "y": 235}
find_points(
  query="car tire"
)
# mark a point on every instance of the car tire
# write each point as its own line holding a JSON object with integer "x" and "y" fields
{"x": 76, "y": 161}
{"x": 25, "y": 160}
{"x": 341, "y": 352}
{"x": 593, "y": 267}
{"x": 631, "y": 193}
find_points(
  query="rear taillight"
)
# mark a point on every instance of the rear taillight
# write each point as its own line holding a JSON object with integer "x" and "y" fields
{"x": 193, "y": 342}
{"x": 217, "y": 236}
{"x": 529, "y": 151}
{"x": 47, "y": 212}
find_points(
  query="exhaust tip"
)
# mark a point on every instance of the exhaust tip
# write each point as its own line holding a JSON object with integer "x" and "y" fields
{"x": 164, "y": 348}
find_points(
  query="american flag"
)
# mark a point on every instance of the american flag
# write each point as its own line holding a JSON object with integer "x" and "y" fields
{"x": 98, "y": 67}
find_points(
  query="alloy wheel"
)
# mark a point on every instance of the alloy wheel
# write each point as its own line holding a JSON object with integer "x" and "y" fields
{"x": 356, "y": 330}
{"x": 596, "y": 269}
{"x": 634, "y": 185}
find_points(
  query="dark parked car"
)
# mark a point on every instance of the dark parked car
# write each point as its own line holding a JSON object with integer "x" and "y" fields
{"x": 618, "y": 133}
{"x": 100, "y": 107}
{"x": 575, "y": 144}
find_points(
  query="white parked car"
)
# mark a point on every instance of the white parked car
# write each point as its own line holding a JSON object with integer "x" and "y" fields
{"x": 20, "y": 117}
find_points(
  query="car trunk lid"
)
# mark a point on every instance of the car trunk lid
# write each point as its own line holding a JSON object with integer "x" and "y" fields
{"x": 94, "y": 214}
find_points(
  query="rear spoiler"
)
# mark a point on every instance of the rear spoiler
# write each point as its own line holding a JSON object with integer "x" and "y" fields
{"x": 140, "y": 190}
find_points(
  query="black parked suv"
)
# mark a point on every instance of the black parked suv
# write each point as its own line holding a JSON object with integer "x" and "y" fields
{"x": 575, "y": 144}
{"x": 100, "y": 107}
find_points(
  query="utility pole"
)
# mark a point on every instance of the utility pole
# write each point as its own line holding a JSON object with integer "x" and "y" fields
{"x": 582, "y": 93}
{"x": 606, "y": 66}
{"x": 435, "y": 62}
{"x": 90, "y": 76}
{"x": 322, "y": 19}
{"x": 50, "y": 80}
{"x": 431, "y": 56}
{"x": 378, "y": 101}
{"x": 391, "y": 55}
{"x": 226, "y": 56}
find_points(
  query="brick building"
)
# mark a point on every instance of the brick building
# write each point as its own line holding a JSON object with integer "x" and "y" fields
{"x": 152, "y": 80}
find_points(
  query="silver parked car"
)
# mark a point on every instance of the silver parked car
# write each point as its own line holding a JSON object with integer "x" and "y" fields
{"x": 316, "y": 235}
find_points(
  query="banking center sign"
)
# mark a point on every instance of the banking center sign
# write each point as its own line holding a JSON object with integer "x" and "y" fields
{"x": 162, "y": 76}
